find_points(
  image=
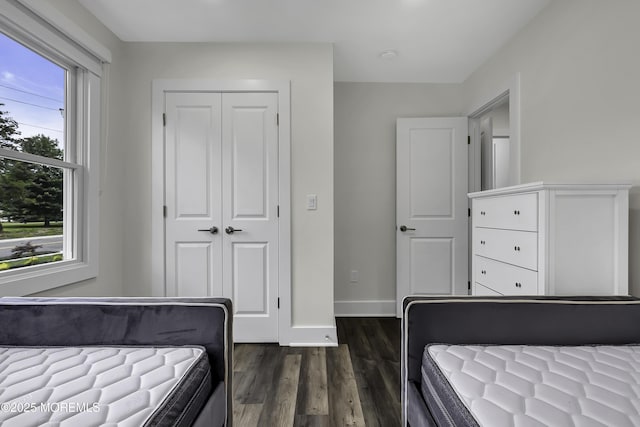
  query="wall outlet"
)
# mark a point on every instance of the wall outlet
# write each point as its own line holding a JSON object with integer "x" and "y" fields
{"x": 354, "y": 276}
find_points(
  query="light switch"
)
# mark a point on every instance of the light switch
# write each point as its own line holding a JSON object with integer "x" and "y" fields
{"x": 354, "y": 276}
{"x": 312, "y": 202}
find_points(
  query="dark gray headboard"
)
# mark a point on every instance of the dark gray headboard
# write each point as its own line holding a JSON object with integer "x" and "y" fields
{"x": 515, "y": 320}
{"x": 123, "y": 321}
{"x": 508, "y": 320}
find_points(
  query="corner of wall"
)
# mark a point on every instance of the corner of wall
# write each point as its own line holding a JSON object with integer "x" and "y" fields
{"x": 313, "y": 336}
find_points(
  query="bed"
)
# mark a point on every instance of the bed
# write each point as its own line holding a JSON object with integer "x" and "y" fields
{"x": 532, "y": 361}
{"x": 115, "y": 361}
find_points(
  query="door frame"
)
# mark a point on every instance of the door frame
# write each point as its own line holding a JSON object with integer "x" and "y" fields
{"x": 508, "y": 89}
{"x": 282, "y": 88}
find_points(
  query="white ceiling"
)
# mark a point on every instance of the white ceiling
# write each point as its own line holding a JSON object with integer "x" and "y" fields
{"x": 441, "y": 41}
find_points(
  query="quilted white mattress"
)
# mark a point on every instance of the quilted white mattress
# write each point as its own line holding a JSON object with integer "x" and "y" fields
{"x": 516, "y": 385}
{"x": 88, "y": 386}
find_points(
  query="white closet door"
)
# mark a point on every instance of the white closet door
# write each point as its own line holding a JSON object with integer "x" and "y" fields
{"x": 431, "y": 207}
{"x": 221, "y": 193}
{"x": 250, "y": 207}
{"x": 193, "y": 183}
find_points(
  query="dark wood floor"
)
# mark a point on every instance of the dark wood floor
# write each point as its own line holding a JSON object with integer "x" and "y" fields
{"x": 354, "y": 384}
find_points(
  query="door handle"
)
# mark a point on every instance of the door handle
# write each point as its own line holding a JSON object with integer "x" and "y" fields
{"x": 404, "y": 228}
{"x": 212, "y": 230}
{"x": 230, "y": 230}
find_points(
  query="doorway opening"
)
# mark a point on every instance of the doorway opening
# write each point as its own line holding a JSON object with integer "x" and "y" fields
{"x": 494, "y": 132}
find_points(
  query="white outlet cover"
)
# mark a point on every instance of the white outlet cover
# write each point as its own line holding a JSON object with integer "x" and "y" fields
{"x": 354, "y": 276}
{"x": 312, "y": 202}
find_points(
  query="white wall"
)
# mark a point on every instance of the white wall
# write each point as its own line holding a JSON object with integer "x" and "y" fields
{"x": 111, "y": 261}
{"x": 580, "y": 88}
{"x": 126, "y": 166}
{"x": 500, "y": 119}
{"x": 310, "y": 69}
{"x": 365, "y": 173}
{"x": 579, "y": 85}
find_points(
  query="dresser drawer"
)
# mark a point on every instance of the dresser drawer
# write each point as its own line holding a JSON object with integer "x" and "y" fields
{"x": 514, "y": 247}
{"x": 480, "y": 290}
{"x": 513, "y": 212}
{"x": 504, "y": 278}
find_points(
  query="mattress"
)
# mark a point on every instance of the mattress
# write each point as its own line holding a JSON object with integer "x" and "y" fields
{"x": 102, "y": 386}
{"x": 517, "y": 385}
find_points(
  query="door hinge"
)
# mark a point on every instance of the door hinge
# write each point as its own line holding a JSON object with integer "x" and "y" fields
{"x": 278, "y": 211}
{"x": 164, "y": 119}
{"x": 469, "y": 285}
{"x": 278, "y": 303}
{"x": 468, "y": 139}
{"x": 277, "y": 119}
{"x": 164, "y": 211}
{"x": 469, "y": 212}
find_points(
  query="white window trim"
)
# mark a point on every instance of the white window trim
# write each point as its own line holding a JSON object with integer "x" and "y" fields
{"x": 68, "y": 28}
{"x": 40, "y": 32}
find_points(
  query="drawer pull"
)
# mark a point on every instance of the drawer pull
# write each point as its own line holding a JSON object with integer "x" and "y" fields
{"x": 482, "y": 242}
{"x": 484, "y": 271}
{"x": 516, "y": 212}
{"x": 516, "y": 248}
{"x": 483, "y": 213}
{"x": 518, "y": 285}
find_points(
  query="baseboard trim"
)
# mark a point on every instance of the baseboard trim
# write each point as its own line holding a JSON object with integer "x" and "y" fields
{"x": 366, "y": 308}
{"x": 313, "y": 336}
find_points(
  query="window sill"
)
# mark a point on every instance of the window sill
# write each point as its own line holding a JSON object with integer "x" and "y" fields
{"x": 30, "y": 280}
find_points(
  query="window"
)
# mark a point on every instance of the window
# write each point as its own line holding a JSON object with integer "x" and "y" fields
{"x": 32, "y": 186}
{"x": 49, "y": 135}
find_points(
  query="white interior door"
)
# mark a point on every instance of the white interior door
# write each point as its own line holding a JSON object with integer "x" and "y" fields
{"x": 221, "y": 194}
{"x": 193, "y": 184}
{"x": 250, "y": 207}
{"x": 431, "y": 207}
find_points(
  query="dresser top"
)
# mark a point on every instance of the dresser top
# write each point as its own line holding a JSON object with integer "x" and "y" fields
{"x": 540, "y": 185}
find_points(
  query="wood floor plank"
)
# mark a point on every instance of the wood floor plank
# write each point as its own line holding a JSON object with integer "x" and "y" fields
{"x": 312, "y": 421}
{"x": 238, "y": 382}
{"x": 247, "y": 361}
{"x": 244, "y": 356}
{"x": 246, "y": 415}
{"x": 342, "y": 325}
{"x": 258, "y": 381}
{"x": 280, "y": 405}
{"x": 392, "y": 329}
{"x": 283, "y": 386}
{"x": 379, "y": 341}
{"x": 369, "y": 405}
{"x": 361, "y": 339}
{"x": 390, "y": 372}
{"x": 344, "y": 401}
{"x": 378, "y": 384}
{"x": 313, "y": 398}
{"x": 385, "y": 411}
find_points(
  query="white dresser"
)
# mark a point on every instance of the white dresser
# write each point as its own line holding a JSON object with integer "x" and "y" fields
{"x": 551, "y": 239}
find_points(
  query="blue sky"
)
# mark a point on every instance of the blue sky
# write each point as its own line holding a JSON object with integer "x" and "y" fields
{"x": 31, "y": 89}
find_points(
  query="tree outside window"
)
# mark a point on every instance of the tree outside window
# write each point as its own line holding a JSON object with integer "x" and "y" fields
{"x": 32, "y": 100}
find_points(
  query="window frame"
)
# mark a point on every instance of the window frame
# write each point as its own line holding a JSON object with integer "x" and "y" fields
{"x": 82, "y": 151}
